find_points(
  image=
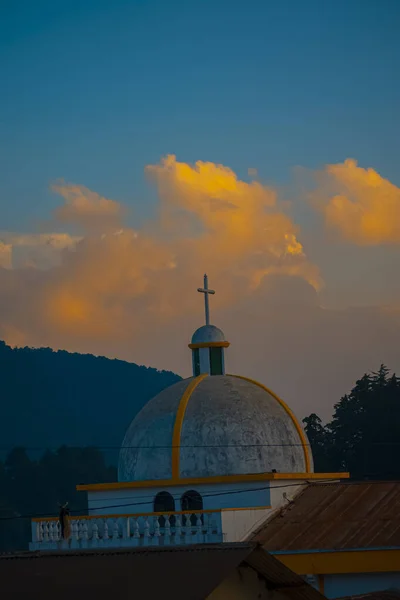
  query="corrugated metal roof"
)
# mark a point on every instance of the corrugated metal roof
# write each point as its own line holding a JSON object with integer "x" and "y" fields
{"x": 336, "y": 516}
{"x": 177, "y": 572}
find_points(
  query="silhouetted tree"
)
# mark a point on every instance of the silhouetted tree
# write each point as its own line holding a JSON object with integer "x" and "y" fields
{"x": 363, "y": 436}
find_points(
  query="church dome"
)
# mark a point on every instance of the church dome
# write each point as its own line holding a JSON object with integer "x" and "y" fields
{"x": 210, "y": 426}
{"x": 208, "y": 334}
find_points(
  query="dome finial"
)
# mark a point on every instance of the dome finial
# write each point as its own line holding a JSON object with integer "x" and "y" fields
{"x": 204, "y": 290}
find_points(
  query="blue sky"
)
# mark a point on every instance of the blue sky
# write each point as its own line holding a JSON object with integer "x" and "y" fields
{"x": 92, "y": 91}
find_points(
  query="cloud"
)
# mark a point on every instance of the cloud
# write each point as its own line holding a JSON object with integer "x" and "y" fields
{"x": 236, "y": 229}
{"x": 362, "y": 206}
{"x": 43, "y": 250}
{"x": 118, "y": 282}
{"x": 5, "y": 255}
{"x": 131, "y": 293}
{"x": 87, "y": 209}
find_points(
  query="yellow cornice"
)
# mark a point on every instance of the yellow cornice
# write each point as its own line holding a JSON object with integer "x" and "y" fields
{"x": 291, "y": 414}
{"x": 210, "y": 345}
{"x": 352, "y": 561}
{"x": 176, "y": 436}
{"x": 164, "y": 483}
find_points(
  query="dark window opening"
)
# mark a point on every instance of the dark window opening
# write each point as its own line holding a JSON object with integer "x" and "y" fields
{"x": 192, "y": 500}
{"x": 216, "y": 361}
{"x": 196, "y": 362}
{"x": 164, "y": 502}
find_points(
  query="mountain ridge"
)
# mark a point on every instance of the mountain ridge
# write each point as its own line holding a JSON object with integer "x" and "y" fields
{"x": 54, "y": 397}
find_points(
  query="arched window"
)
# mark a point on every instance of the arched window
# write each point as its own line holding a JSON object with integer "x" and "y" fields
{"x": 192, "y": 500}
{"x": 164, "y": 502}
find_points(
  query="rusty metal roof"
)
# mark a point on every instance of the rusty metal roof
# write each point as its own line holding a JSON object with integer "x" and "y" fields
{"x": 336, "y": 516}
{"x": 179, "y": 572}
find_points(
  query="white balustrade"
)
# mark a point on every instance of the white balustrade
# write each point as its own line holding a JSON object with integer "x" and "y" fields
{"x": 133, "y": 530}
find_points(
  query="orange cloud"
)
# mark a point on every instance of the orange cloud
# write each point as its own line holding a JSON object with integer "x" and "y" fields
{"x": 86, "y": 208}
{"x": 360, "y": 204}
{"x": 131, "y": 293}
{"x": 118, "y": 283}
{"x": 233, "y": 225}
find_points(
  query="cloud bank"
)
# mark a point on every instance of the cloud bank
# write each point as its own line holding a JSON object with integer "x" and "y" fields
{"x": 359, "y": 204}
{"x": 107, "y": 288}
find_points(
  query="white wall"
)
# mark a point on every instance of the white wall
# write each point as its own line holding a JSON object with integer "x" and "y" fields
{"x": 237, "y": 525}
{"x": 215, "y": 496}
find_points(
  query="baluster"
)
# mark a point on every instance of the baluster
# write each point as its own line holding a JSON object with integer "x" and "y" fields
{"x": 45, "y": 532}
{"x": 127, "y": 529}
{"x": 94, "y": 533}
{"x": 167, "y": 531}
{"x": 85, "y": 535}
{"x": 58, "y": 532}
{"x": 53, "y": 531}
{"x": 209, "y": 527}
{"x": 41, "y": 531}
{"x": 136, "y": 532}
{"x": 188, "y": 529}
{"x": 39, "y": 534}
{"x": 105, "y": 530}
{"x": 178, "y": 530}
{"x": 156, "y": 527}
{"x": 146, "y": 532}
{"x": 80, "y": 529}
{"x": 115, "y": 533}
{"x": 75, "y": 530}
{"x": 199, "y": 525}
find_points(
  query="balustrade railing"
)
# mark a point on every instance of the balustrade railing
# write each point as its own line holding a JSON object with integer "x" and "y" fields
{"x": 129, "y": 530}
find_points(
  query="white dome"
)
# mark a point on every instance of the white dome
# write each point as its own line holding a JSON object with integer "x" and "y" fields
{"x": 230, "y": 426}
{"x": 207, "y": 334}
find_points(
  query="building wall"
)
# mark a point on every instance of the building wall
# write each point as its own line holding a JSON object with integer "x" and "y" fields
{"x": 281, "y": 492}
{"x": 237, "y": 525}
{"x": 339, "y": 585}
{"x": 215, "y": 496}
{"x": 243, "y": 584}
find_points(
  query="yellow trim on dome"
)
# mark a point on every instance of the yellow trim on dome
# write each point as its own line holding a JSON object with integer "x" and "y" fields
{"x": 289, "y": 412}
{"x": 176, "y": 436}
{"x": 210, "y": 345}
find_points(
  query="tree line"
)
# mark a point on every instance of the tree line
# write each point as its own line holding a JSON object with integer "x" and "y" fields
{"x": 363, "y": 436}
{"x": 30, "y": 487}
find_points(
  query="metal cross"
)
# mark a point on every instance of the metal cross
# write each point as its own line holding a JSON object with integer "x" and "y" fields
{"x": 204, "y": 290}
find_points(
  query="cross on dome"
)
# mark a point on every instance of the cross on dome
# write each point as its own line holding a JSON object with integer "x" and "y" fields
{"x": 205, "y": 290}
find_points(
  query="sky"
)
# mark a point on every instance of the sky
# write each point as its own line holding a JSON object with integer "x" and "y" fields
{"x": 143, "y": 143}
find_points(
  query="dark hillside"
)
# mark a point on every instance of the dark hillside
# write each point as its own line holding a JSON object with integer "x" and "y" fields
{"x": 49, "y": 398}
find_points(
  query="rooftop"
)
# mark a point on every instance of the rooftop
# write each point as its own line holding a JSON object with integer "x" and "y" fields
{"x": 336, "y": 516}
{"x": 199, "y": 569}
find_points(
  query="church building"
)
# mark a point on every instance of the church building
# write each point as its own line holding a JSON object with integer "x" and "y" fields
{"x": 210, "y": 459}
